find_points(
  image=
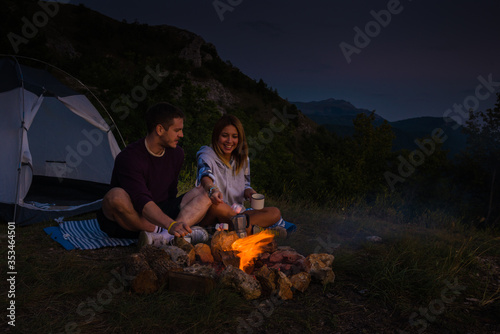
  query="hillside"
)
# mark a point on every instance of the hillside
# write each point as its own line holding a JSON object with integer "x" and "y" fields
{"x": 113, "y": 59}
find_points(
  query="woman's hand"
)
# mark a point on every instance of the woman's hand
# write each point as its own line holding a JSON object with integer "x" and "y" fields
{"x": 248, "y": 193}
{"x": 212, "y": 190}
{"x": 217, "y": 197}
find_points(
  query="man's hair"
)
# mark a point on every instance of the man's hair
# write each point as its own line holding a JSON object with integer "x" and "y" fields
{"x": 240, "y": 154}
{"x": 162, "y": 113}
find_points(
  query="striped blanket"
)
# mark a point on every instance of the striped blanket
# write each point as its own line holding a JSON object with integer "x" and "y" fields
{"x": 84, "y": 234}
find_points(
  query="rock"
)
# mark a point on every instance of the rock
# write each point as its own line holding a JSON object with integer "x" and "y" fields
{"x": 150, "y": 252}
{"x": 321, "y": 267}
{"x": 284, "y": 286}
{"x": 285, "y": 268}
{"x": 285, "y": 248}
{"x": 267, "y": 279}
{"x": 160, "y": 262}
{"x": 276, "y": 257}
{"x": 264, "y": 257}
{"x": 221, "y": 242}
{"x": 203, "y": 253}
{"x": 285, "y": 256}
{"x": 177, "y": 255}
{"x": 286, "y": 260}
{"x": 192, "y": 51}
{"x": 270, "y": 247}
{"x": 374, "y": 238}
{"x": 303, "y": 265}
{"x": 200, "y": 270}
{"x": 144, "y": 279}
{"x": 245, "y": 284}
{"x": 230, "y": 258}
{"x": 327, "y": 259}
{"x": 183, "y": 244}
{"x": 301, "y": 281}
{"x": 145, "y": 282}
{"x": 191, "y": 257}
{"x": 136, "y": 263}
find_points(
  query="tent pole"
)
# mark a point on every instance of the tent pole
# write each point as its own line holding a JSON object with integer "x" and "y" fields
{"x": 16, "y": 204}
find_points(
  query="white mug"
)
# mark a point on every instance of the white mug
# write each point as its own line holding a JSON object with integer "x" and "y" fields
{"x": 257, "y": 201}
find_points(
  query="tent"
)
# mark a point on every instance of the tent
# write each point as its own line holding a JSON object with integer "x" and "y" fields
{"x": 56, "y": 151}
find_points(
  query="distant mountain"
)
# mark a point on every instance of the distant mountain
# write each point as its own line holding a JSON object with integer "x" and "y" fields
{"x": 337, "y": 116}
{"x": 332, "y": 111}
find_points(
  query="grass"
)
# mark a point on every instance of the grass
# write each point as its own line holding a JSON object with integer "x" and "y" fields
{"x": 379, "y": 285}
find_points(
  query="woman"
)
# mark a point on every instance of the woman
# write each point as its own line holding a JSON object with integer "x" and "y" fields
{"x": 224, "y": 172}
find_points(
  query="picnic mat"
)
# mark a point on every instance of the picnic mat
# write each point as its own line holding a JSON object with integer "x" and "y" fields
{"x": 83, "y": 234}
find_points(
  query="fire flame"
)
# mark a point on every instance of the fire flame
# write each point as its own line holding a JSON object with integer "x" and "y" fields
{"x": 249, "y": 248}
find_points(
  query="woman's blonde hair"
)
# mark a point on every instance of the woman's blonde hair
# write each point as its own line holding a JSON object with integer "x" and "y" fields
{"x": 240, "y": 153}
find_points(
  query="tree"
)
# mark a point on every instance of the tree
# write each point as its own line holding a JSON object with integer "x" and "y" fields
{"x": 483, "y": 147}
{"x": 370, "y": 150}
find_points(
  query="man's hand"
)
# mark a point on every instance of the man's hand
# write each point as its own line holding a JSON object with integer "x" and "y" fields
{"x": 180, "y": 229}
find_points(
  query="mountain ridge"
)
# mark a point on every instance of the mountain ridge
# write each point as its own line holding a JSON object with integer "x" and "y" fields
{"x": 337, "y": 117}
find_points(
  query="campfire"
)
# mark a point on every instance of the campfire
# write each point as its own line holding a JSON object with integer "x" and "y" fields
{"x": 253, "y": 265}
{"x": 248, "y": 249}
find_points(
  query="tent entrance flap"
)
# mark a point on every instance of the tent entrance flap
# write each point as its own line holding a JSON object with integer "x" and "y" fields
{"x": 56, "y": 192}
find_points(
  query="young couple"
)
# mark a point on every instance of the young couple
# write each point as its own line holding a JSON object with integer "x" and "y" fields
{"x": 143, "y": 202}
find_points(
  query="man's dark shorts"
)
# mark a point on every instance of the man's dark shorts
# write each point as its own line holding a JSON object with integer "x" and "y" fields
{"x": 170, "y": 208}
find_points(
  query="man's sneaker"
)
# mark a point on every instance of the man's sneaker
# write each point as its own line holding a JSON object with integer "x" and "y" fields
{"x": 155, "y": 239}
{"x": 278, "y": 232}
{"x": 198, "y": 234}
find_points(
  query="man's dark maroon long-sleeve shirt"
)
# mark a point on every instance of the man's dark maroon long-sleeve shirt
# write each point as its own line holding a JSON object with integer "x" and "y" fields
{"x": 146, "y": 177}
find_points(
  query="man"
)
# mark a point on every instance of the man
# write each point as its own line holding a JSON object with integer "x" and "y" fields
{"x": 143, "y": 201}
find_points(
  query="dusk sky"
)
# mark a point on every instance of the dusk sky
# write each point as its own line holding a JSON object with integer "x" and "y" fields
{"x": 420, "y": 61}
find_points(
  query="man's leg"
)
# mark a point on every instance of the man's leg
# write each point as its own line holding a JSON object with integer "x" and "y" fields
{"x": 194, "y": 206}
{"x": 117, "y": 206}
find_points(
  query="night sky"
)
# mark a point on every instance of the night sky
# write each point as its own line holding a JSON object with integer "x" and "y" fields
{"x": 420, "y": 61}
